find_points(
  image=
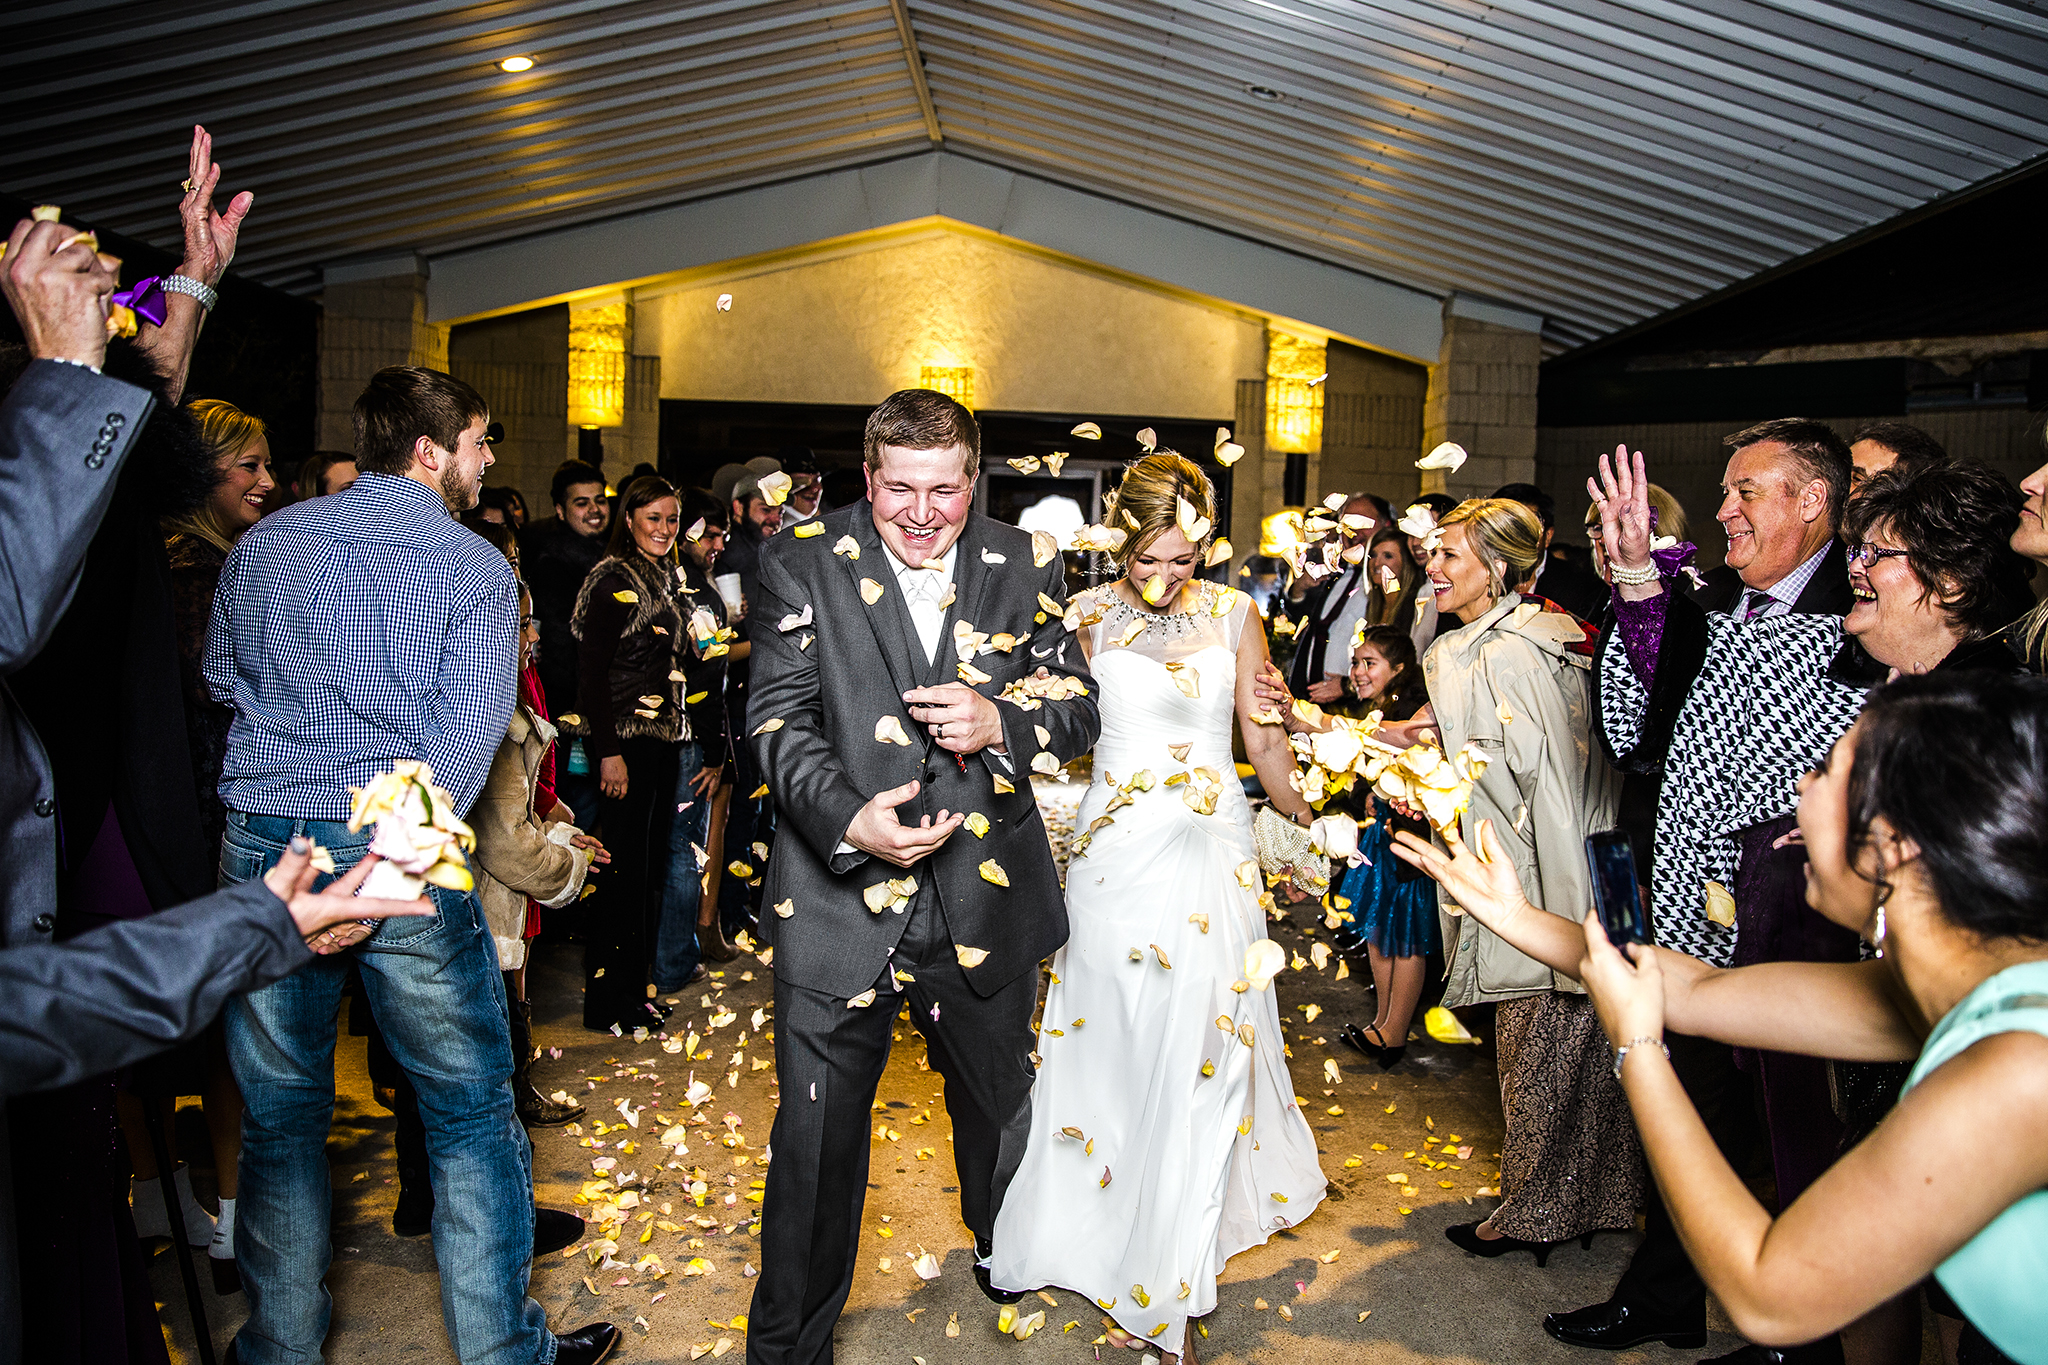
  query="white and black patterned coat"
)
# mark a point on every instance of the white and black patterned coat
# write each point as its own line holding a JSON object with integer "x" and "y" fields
{"x": 1762, "y": 711}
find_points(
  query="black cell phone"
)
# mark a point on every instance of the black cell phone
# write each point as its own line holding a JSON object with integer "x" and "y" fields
{"x": 1616, "y": 894}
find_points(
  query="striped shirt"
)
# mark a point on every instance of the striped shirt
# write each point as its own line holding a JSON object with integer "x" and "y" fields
{"x": 355, "y": 630}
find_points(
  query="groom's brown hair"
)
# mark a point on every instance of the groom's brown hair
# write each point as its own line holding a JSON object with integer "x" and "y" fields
{"x": 922, "y": 419}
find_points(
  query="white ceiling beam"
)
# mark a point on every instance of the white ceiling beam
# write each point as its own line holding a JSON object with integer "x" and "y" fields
{"x": 915, "y": 61}
{"x": 794, "y": 213}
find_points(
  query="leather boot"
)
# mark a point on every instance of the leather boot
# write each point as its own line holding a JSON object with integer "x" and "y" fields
{"x": 711, "y": 944}
{"x": 535, "y": 1109}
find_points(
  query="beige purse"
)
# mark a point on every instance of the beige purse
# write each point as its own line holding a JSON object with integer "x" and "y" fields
{"x": 1283, "y": 845}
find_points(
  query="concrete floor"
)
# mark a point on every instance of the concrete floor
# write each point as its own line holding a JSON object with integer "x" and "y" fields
{"x": 1425, "y": 1299}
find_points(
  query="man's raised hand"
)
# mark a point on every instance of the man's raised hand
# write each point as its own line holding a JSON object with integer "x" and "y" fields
{"x": 876, "y": 830}
{"x": 59, "y": 288}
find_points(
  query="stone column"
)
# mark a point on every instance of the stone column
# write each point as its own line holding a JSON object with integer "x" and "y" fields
{"x": 373, "y": 314}
{"x": 1482, "y": 394}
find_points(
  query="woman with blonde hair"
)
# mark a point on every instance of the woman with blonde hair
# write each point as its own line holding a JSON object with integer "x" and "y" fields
{"x": 1164, "y": 1134}
{"x": 1514, "y": 680}
{"x": 197, "y": 543}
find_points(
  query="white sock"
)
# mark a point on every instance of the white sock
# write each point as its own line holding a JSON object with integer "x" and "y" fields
{"x": 199, "y": 1224}
{"x": 223, "y": 1248}
{"x": 148, "y": 1198}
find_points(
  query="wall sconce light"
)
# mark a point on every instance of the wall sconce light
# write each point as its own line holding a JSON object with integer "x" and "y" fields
{"x": 515, "y": 65}
{"x": 597, "y": 365}
{"x": 1295, "y": 369}
{"x": 955, "y": 381}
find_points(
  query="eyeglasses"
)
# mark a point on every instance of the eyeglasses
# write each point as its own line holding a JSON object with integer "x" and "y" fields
{"x": 1866, "y": 555}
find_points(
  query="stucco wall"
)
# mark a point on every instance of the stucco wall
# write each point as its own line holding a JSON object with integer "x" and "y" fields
{"x": 1041, "y": 335}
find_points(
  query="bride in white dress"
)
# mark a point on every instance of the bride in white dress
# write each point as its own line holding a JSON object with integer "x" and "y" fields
{"x": 1165, "y": 1137}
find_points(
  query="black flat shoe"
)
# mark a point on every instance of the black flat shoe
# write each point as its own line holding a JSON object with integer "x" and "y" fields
{"x": 1616, "y": 1326}
{"x": 586, "y": 1345}
{"x": 554, "y": 1229}
{"x": 982, "y": 1250}
{"x": 1466, "y": 1236}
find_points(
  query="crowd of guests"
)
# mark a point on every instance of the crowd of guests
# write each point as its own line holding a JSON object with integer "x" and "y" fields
{"x": 1830, "y": 755}
{"x": 1875, "y": 577}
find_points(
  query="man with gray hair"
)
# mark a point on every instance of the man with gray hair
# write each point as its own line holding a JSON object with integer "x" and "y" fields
{"x": 1782, "y": 496}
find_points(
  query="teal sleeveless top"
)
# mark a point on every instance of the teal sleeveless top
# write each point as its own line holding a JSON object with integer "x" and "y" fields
{"x": 1998, "y": 1276}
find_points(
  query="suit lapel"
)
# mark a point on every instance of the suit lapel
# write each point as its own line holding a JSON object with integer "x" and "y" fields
{"x": 889, "y": 616}
{"x": 1827, "y": 593}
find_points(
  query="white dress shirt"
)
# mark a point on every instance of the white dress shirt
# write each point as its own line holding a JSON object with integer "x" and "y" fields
{"x": 923, "y": 590}
{"x": 1349, "y": 597}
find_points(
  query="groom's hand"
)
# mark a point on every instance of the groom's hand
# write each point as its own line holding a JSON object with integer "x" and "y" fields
{"x": 876, "y": 830}
{"x": 961, "y": 720}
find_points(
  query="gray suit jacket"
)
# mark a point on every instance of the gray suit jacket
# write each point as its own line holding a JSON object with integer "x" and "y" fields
{"x": 114, "y": 996}
{"x": 823, "y": 763}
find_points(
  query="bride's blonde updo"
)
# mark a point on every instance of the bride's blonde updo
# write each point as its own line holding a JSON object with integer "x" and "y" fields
{"x": 1150, "y": 496}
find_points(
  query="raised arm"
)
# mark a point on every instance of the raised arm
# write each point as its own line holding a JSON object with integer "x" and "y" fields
{"x": 210, "y": 237}
{"x": 64, "y": 431}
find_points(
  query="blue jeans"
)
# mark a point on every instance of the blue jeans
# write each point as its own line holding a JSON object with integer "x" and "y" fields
{"x": 434, "y": 986}
{"x": 675, "y": 947}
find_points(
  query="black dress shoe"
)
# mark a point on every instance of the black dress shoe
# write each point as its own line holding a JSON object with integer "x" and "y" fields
{"x": 554, "y": 1229}
{"x": 536, "y": 1110}
{"x": 1826, "y": 1351}
{"x": 982, "y": 1249}
{"x": 586, "y": 1345}
{"x": 1616, "y": 1326}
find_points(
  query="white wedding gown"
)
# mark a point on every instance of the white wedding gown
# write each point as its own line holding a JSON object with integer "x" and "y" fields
{"x": 1190, "y": 1146}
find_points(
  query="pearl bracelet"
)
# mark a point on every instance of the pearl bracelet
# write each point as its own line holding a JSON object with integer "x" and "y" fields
{"x": 1634, "y": 578}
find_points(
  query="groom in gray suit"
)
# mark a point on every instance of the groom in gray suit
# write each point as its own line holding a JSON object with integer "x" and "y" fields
{"x": 913, "y": 868}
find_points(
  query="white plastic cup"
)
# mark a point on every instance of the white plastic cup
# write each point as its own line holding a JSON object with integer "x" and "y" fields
{"x": 728, "y": 585}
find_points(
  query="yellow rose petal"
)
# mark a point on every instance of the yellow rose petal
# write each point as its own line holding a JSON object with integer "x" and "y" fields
{"x": 972, "y": 957}
{"x": 992, "y": 871}
{"x": 870, "y": 591}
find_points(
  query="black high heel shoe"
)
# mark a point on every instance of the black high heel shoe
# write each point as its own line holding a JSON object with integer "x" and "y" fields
{"x": 1466, "y": 1236}
{"x": 1387, "y": 1055}
{"x": 1355, "y": 1036}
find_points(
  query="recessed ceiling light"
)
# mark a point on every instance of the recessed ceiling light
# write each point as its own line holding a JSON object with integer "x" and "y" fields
{"x": 516, "y": 64}
{"x": 1264, "y": 92}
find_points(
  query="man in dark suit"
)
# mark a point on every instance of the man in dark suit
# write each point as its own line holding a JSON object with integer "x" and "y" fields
{"x": 1333, "y": 609}
{"x": 1782, "y": 497}
{"x": 913, "y": 868}
{"x": 118, "y": 994}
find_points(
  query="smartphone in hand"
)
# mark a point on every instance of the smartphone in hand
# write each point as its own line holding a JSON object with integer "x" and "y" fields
{"x": 1616, "y": 895}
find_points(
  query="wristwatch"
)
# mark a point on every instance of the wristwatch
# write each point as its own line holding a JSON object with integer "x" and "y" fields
{"x": 1622, "y": 1051}
{"x": 207, "y": 295}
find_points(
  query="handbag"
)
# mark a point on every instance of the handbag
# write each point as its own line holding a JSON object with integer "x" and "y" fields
{"x": 1283, "y": 846}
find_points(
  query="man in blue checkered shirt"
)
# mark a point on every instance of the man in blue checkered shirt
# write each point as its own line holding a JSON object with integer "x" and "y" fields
{"x": 347, "y": 636}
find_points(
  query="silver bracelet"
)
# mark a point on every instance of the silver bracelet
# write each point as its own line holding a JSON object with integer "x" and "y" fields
{"x": 207, "y": 295}
{"x": 1622, "y": 1051}
{"x": 1634, "y": 578}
